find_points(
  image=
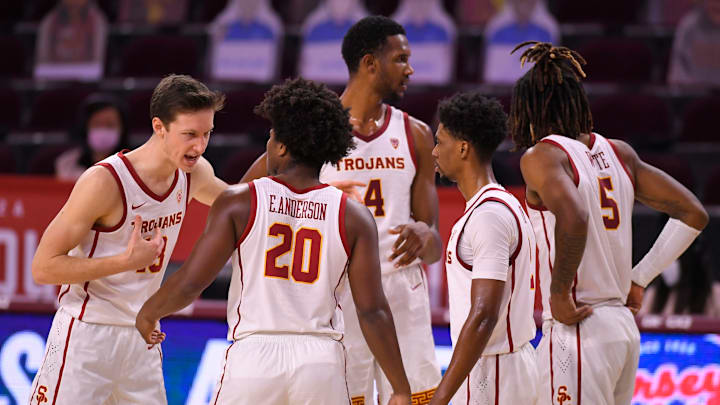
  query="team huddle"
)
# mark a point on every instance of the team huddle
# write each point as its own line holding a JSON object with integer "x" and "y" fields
{"x": 327, "y": 233}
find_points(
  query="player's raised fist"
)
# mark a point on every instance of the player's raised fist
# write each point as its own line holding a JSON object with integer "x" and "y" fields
{"x": 143, "y": 252}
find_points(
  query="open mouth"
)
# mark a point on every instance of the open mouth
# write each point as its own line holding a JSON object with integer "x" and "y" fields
{"x": 191, "y": 159}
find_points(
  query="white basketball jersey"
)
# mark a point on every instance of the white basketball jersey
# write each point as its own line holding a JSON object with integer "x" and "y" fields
{"x": 516, "y": 325}
{"x": 116, "y": 299}
{"x": 606, "y": 189}
{"x": 385, "y": 162}
{"x": 289, "y": 262}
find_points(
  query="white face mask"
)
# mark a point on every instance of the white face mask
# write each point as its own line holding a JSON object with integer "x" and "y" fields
{"x": 103, "y": 139}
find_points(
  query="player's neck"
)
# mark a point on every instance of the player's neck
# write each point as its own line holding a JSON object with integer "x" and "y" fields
{"x": 299, "y": 176}
{"x": 364, "y": 103}
{"x": 473, "y": 178}
{"x": 150, "y": 162}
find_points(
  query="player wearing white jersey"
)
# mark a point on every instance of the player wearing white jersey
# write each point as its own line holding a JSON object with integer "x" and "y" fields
{"x": 109, "y": 246}
{"x": 581, "y": 188}
{"x": 293, "y": 241}
{"x": 490, "y": 263}
{"x": 392, "y": 164}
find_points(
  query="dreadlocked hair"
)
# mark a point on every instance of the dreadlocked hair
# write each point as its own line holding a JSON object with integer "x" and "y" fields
{"x": 549, "y": 98}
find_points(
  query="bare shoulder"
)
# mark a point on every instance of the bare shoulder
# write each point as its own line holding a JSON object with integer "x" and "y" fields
{"x": 359, "y": 222}
{"x": 203, "y": 172}
{"x": 626, "y": 152}
{"x": 98, "y": 181}
{"x": 422, "y": 134}
{"x": 543, "y": 152}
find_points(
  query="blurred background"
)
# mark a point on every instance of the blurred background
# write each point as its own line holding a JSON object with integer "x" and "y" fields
{"x": 76, "y": 78}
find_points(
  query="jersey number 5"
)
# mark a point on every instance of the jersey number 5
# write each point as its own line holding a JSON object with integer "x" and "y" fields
{"x": 374, "y": 198}
{"x": 606, "y": 202}
{"x": 305, "y": 239}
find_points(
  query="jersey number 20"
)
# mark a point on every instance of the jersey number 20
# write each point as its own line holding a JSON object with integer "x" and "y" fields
{"x": 305, "y": 239}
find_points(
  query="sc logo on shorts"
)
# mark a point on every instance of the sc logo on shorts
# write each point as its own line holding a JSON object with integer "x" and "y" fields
{"x": 563, "y": 395}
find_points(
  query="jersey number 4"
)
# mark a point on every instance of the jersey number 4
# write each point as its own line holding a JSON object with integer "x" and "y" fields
{"x": 611, "y": 221}
{"x": 305, "y": 239}
{"x": 373, "y": 197}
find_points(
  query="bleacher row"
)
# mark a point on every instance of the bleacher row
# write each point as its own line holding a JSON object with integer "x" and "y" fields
{"x": 672, "y": 127}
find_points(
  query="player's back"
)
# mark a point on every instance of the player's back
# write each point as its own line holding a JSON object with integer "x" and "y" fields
{"x": 116, "y": 299}
{"x": 606, "y": 189}
{"x": 289, "y": 262}
{"x": 385, "y": 162}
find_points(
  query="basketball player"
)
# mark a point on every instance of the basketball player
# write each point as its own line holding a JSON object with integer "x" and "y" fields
{"x": 490, "y": 262}
{"x": 581, "y": 188}
{"x": 292, "y": 239}
{"x": 109, "y": 246}
{"x": 392, "y": 162}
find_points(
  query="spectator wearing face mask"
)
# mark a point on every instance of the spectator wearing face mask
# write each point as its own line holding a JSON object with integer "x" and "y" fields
{"x": 101, "y": 130}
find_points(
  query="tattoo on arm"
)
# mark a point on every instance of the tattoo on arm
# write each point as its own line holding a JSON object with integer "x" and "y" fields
{"x": 569, "y": 249}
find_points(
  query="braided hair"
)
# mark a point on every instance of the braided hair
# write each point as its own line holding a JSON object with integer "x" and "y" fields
{"x": 549, "y": 98}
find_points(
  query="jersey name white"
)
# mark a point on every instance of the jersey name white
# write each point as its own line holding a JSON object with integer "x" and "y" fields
{"x": 116, "y": 299}
{"x": 515, "y": 325}
{"x": 385, "y": 162}
{"x": 607, "y": 191}
{"x": 289, "y": 262}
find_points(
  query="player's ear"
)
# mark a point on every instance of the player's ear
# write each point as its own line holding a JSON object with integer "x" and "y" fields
{"x": 158, "y": 126}
{"x": 369, "y": 63}
{"x": 464, "y": 149}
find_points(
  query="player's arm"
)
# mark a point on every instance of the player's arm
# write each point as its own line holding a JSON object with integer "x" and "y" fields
{"x": 491, "y": 254}
{"x": 92, "y": 200}
{"x": 204, "y": 186}
{"x": 229, "y": 212}
{"x": 485, "y": 298}
{"x": 659, "y": 191}
{"x": 546, "y": 170}
{"x": 376, "y": 320}
{"x": 420, "y": 238}
{"x": 257, "y": 170}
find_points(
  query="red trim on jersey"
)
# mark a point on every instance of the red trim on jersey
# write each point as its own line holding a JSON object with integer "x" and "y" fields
{"x": 576, "y": 175}
{"x": 87, "y": 298}
{"x": 124, "y": 201}
{"x": 295, "y": 190}
{"x": 592, "y": 140}
{"x": 343, "y": 202}
{"x": 242, "y": 287}
{"x": 187, "y": 195}
{"x": 380, "y": 131}
{"x": 547, "y": 240}
{"x": 251, "y": 219}
{"x": 337, "y": 303}
{"x": 223, "y": 374}
{"x": 87, "y": 283}
{"x": 468, "y": 388}
{"x": 62, "y": 366}
{"x": 497, "y": 379}
{"x": 538, "y": 289}
{"x": 410, "y": 138}
{"x": 517, "y": 221}
{"x": 512, "y": 289}
{"x": 347, "y": 388}
{"x": 62, "y": 294}
{"x": 552, "y": 387}
{"x": 142, "y": 184}
{"x": 579, "y": 381}
{"x": 472, "y": 207}
{"x": 535, "y": 207}
{"x": 622, "y": 163}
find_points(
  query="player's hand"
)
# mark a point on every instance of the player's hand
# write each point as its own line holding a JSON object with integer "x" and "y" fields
{"x": 350, "y": 187}
{"x": 411, "y": 242}
{"x": 635, "y": 298}
{"x": 142, "y": 252}
{"x": 564, "y": 310}
{"x": 399, "y": 399}
{"x": 149, "y": 330}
